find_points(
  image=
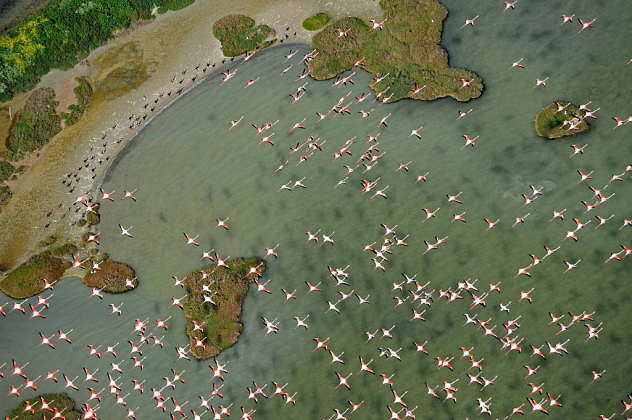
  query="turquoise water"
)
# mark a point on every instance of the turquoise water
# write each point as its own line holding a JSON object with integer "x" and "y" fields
{"x": 190, "y": 169}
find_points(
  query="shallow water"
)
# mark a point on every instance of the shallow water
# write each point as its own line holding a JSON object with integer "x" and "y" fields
{"x": 189, "y": 170}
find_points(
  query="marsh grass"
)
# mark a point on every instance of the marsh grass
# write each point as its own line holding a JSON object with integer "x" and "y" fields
{"x": 61, "y": 402}
{"x": 27, "y": 279}
{"x": 239, "y": 34}
{"x": 316, "y": 22}
{"x": 222, "y": 325}
{"x": 407, "y": 48}
{"x": 548, "y": 123}
{"x": 34, "y": 125}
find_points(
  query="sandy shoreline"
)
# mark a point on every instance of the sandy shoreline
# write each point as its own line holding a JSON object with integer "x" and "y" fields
{"x": 168, "y": 45}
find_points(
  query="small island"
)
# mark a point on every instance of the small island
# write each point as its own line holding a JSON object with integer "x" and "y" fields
{"x": 111, "y": 277}
{"x": 50, "y": 266}
{"x": 220, "y": 322}
{"x": 238, "y": 34}
{"x": 316, "y": 22}
{"x": 57, "y": 402}
{"x": 402, "y": 50}
{"x": 560, "y": 119}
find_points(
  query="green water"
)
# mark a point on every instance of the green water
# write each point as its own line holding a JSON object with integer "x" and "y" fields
{"x": 190, "y": 169}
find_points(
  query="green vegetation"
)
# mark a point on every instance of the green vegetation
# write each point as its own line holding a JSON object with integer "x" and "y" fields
{"x": 550, "y": 124}
{"x": 27, "y": 279}
{"x": 407, "y": 49}
{"x": 34, "y": 125}
{"x": 61, "y": 402}
{"x": 110, "y": 276}
{"x": 316, "y": 22}
{"x": 83, "y": 93}
{"x": 64, "y": 32}
{"x": 238, "y": 34}
{"x": 6, "y": 170}
{"x": 166, "y": 5}
{"x": 220, "y": 321}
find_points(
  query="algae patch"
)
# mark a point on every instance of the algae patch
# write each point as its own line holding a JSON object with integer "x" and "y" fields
{"x": 120, "y": 69}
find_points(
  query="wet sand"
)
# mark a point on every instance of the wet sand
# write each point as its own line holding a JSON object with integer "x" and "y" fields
{"x": 157, "y": 53}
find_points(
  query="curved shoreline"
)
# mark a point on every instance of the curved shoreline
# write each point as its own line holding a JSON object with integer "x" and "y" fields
{"x": 98, "y": 181}
{"x": 173, "y": 41}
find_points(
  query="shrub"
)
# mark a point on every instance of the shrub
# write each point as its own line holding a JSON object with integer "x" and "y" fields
{"x": 5, "y": 194}
{"x": 63, "y": 32}
{"x": 6, "y": 170}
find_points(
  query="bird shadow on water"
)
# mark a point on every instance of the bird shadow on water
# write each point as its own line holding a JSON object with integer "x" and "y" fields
{"x": 209, "y": 194}
{"x": 541, "y": 35}
{"x": 456, "y": 40}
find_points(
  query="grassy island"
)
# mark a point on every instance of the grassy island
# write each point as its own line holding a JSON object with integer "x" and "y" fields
{"x": 549, "y": 123}
{"x": 27, "y": 279}
{"x": 316, "y": 22}
{"x": 239, "y": 34}
{"x": 407, "y": 48}
{"x": 221, "y": 322}
{"x": 111, "y": 276}
{"x": 61, "y": 402}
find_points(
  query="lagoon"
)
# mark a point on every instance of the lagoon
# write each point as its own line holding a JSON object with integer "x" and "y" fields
{"x": 190, "y": 169}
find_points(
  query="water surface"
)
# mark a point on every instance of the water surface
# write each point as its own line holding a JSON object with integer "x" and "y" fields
{"x": 190, "y": 169}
